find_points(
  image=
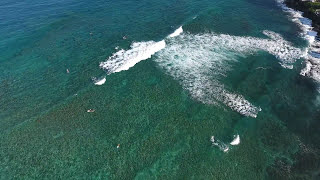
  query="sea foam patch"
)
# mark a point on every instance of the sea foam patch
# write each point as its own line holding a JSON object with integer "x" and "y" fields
{"x": 200, "y": 61}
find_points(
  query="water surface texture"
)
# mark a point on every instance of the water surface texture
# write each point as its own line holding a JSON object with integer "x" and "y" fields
{"x": 193, "y": 89}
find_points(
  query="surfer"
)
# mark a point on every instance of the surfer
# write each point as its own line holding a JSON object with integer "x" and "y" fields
{"x": 68, "y": 71}
{"x": 90, "y": 110}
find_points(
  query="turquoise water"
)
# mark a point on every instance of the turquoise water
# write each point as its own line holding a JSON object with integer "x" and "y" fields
{"x": 164, "y": 109}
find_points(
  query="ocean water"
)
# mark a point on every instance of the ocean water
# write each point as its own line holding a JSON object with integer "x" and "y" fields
{"x": 180, "y": 90}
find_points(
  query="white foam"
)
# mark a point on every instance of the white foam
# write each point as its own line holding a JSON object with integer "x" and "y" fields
{"x": 100, "y": 81}
{"x": 222, "y": 146}
{"x": 307, "y": 69}
{"x": 241, "y": 105}
{"x": 312, "y": 56}
{"x": 125, "y": 59}
{"x": 199, "y": 61}
{"x": 305, "y": 24}
{"x": 236, "y": 140}
{"x": 312, "y": 68}
{"x": 177, "y": 32}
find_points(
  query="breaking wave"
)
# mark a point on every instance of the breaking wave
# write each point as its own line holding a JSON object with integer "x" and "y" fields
{"x": 176, "y": 32}
{"x": 100, "y": 81}
{"x": 223, "y": 146}
{"x": 125, "y": 59}
{"x": 236, "y": 140}
{"x": 200, "y": 61}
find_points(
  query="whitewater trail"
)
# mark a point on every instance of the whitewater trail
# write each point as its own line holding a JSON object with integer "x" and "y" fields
{"x": 199, "y": 62}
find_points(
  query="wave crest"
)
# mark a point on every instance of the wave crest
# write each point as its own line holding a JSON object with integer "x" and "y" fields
{"x": 125, "y": 59}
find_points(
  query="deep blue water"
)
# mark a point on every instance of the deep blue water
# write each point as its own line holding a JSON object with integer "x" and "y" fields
{"x": 211, "y": 80}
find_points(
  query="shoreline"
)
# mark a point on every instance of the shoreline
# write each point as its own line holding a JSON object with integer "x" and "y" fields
{"x": 311, "y": 10}
{"x": 307, "y": 15}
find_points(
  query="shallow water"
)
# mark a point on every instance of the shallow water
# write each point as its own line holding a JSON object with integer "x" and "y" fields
{"x": 235, "y": 69}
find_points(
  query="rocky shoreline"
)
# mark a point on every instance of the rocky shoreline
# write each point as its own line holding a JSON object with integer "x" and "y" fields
{"x": 310, "y": 9}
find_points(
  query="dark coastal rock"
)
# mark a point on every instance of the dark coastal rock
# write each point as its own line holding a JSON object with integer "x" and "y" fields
{"x": 310, "y": 9}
